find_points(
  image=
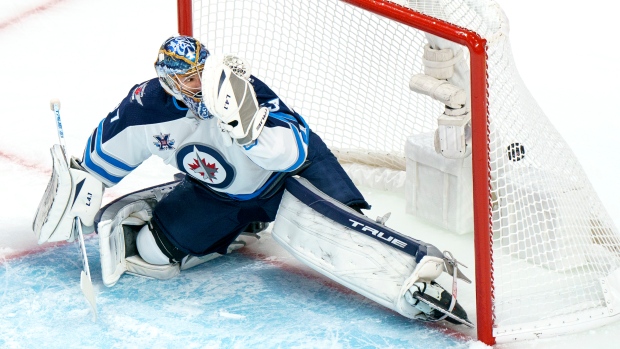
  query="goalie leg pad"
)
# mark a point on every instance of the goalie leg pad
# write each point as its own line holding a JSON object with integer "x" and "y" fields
{"x": 374, "y": 269}
{"x": 116, "y": 256}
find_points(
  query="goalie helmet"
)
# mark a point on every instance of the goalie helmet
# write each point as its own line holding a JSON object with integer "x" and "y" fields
{"x": 179, "y": 66}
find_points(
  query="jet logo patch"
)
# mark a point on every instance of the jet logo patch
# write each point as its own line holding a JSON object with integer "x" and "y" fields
{"x": 205, "y": 164}
{"x": 138, "y": 93}
{"x": 164, "y": 142}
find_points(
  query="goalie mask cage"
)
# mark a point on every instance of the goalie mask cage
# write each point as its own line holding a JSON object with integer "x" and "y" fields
{"x": 547, "y": 252}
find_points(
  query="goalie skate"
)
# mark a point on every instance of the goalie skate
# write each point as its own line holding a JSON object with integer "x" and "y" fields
{"x": 435, "y": 304}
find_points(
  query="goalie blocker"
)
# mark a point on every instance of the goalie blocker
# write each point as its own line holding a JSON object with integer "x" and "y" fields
{"x": 70, "y": 193}
{"x": 393, "y": 270}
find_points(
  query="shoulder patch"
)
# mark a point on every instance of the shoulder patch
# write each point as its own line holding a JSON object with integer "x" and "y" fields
{"x": 164, "y": 142}
{"x": 138, "y": 93}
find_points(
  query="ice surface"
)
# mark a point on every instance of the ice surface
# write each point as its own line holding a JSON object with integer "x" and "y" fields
{"x": 89, "y": 54}
{"x": 242, "y": 300}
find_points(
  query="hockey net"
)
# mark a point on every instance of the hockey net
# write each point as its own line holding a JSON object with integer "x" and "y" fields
{"x": 547, "y": 252}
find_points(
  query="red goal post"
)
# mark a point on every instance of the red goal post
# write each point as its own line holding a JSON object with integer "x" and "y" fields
{"x": 476, "y": 45}
{"x": 535, "y": 216}
{"x": 480, "y": 157}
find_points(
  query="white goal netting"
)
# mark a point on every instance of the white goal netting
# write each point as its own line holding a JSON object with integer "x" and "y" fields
{"x": 556, "y": 251}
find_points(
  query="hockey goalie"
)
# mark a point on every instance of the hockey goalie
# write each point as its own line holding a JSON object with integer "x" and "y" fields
{"x": 246, "y": 160}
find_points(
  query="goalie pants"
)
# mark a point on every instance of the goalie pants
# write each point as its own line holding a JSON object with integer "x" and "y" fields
{"x": 197, "y": 221}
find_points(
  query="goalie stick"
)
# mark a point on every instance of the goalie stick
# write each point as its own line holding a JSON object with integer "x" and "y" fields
{"x": 55, "y": 107}
{"x": 86, "y": 284}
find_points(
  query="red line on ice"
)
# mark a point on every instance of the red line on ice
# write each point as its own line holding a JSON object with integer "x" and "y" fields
{"x": 35, "y": 250}
{"x": 19, "y": 160}
{"x": 3, "y": 25}
{"x": 17, "y": 18}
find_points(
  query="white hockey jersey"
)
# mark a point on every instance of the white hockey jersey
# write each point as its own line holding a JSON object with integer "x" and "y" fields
{"x": 150, "y": 122}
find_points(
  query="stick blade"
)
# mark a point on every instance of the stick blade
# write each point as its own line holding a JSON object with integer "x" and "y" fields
{"x": 89, "y": 292}
{"x": 86, "y": 283}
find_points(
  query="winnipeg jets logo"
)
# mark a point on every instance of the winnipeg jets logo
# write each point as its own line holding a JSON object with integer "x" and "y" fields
{"x": 204, "y": 169}
{"x": 164, "y": 142}
{"x": 138, "y": 93}
{"x": 205, "y": 164}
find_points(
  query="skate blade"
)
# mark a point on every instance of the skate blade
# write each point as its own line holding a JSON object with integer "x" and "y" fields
{"x": 434, "y": 306}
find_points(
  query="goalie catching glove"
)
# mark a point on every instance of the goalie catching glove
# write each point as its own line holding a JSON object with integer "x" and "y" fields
{"x": 229, "y": 96}
{"x": 71, "y": 192}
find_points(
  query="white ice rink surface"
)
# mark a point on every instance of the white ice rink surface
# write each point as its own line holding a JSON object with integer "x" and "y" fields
{"x": 89, "y": 53}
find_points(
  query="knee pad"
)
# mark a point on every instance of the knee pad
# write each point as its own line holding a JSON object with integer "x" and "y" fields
{"x": 148, "y": 249}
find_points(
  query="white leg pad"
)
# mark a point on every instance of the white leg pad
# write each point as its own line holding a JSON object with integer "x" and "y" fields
{"x": 365, "y": 265}
{"x": 137, "y": 266}
{"x": 112, "y": 247}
